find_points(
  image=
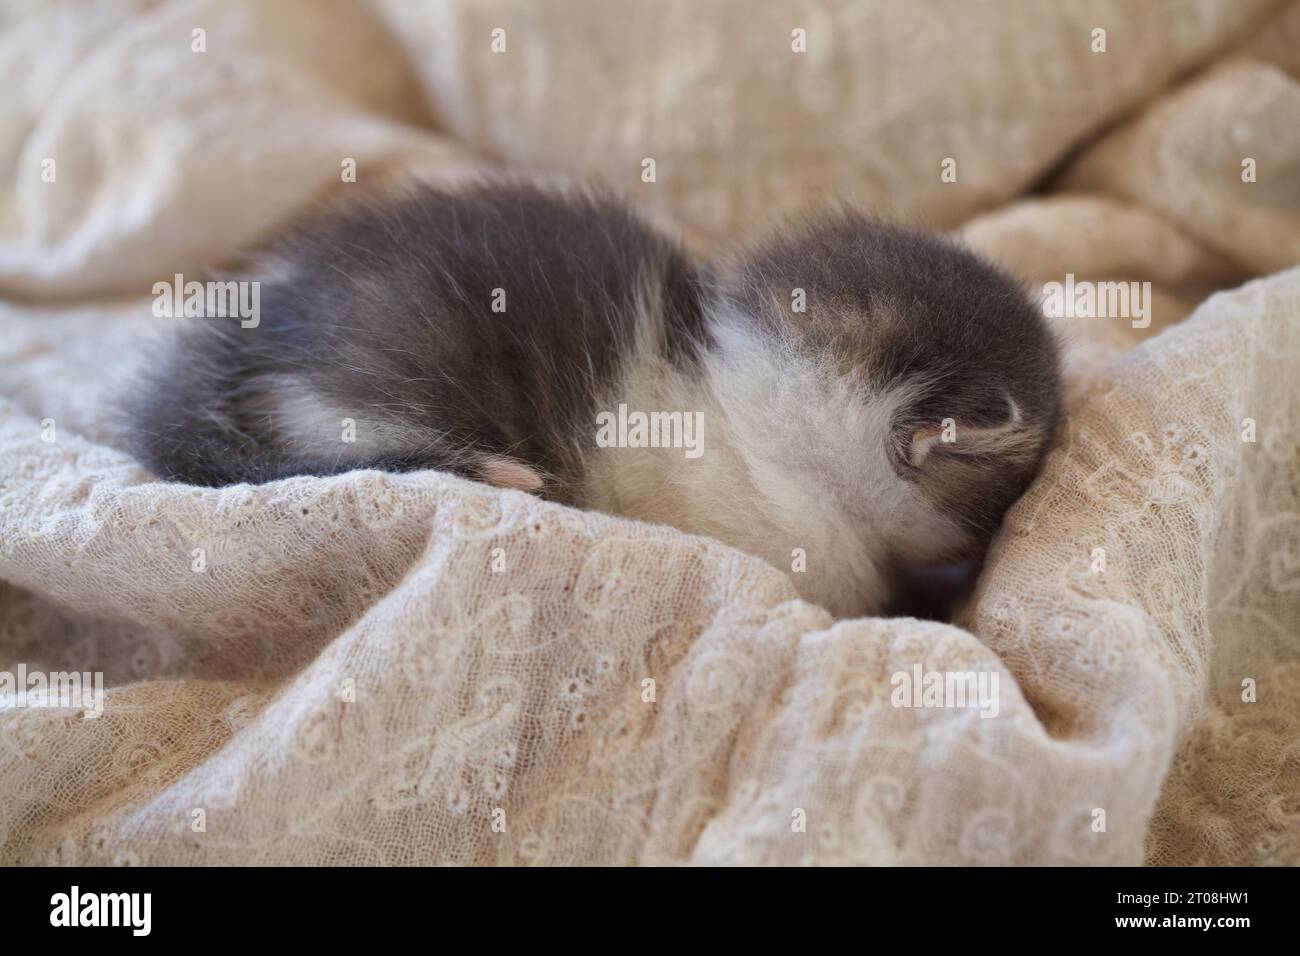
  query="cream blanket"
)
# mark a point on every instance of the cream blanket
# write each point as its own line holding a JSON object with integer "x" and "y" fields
{"x": 378, "y": 669}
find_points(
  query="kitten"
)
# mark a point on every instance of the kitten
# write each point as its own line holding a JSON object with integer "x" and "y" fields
{"x": 871, "y": 399}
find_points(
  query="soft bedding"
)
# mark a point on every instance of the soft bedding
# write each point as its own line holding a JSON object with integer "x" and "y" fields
{"x": 414, "y": 669}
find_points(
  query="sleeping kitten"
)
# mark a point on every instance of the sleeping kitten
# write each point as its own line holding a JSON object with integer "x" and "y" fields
{"x": 873, "y": 397}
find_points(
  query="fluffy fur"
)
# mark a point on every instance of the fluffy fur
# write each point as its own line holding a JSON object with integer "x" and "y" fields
{"x": 886, "y": 425}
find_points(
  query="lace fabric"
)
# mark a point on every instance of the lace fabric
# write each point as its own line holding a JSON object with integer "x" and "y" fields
{"x": 412, "y": 669}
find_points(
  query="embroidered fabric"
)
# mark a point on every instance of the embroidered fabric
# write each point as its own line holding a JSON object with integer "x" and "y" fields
{"x": 403, "y": 669}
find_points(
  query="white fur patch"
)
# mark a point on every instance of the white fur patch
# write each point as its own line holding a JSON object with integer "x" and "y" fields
{"x": 312, "y": 425}
{"x": 796, "y": 460}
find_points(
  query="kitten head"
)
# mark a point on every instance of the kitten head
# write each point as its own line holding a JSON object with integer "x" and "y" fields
{"x": 952, "y": 355}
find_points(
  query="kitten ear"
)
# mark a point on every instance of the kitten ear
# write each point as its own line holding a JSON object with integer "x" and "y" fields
{"x": 931, "y": 442}
{"x": 917, "y": 442}
{"x": 916, "y": 445}
{"x": 506, "y": 472}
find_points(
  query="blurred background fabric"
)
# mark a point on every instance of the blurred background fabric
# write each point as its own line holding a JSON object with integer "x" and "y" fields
{"x": 348, "y": 680}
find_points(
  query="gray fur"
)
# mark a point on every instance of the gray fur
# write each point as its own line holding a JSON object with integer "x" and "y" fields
{"x": 381, "y": 311}
{"x": 387, "y": 311}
